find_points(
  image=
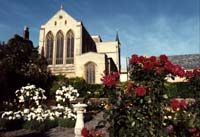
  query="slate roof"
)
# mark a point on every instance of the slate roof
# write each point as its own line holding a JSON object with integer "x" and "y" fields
{"x": 189, "y": 61}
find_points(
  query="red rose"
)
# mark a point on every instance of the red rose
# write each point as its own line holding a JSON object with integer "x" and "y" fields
{"x": 168, "y": 66}
{"x": 134, "y": 59}
{"x": 110, "y": 79}
{"x": 148, "y": 65}
{"x": 116, "y": 75}
{"x": 130, "y": 85}
{"x": 181, "y": 73}
{"x": 152, "y": 59}
{"x": 197, "y": 134}
{"x": 140, "y": 91}
{"x": 177, "y": 70}
{"x": 174, "y": 104}
{"x": 163, "y": 58}
{"x": 141, "y": 59}
{"x": 170, "y": 128}
{"x": 84, "y": 132}
{"x": 196, "y": 71}
{"x": 189, "y": 74}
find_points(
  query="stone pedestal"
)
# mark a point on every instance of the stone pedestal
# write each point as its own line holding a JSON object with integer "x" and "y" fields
{"x": 79, "y": 109}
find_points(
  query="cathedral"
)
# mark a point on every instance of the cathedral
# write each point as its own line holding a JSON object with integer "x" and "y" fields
{"x": 71, "y": 51}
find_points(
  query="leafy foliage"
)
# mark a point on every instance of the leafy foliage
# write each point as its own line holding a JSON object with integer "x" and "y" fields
{"x": 20, "y": 64}
{"x": 137, "y": 109}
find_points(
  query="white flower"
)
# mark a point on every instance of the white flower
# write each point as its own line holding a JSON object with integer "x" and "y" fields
{"x": 10, "y": 118}
{"x": 27, "y": 94}
{"x": 44, "y": 97}
{"x": 169, "y": 117}
{"x": 59, "y": 106}
{"x": 35, "y": 97}
{"x": 36, "y": 93}
{"x": 21, "y": 98}
{"x": 39, "y": 109}
{"x": 26, "y": 111}
{"x": 58, "y": 98}
{"x": 165, "y": 96}
{"x": 18, "y": 116}
{"x": 37, "y": 102}
{"x": 57, "y": 114}
{"x": 39, "y": 118}
{"x": 51, "y": 118}
{"x": 17, "y": 91}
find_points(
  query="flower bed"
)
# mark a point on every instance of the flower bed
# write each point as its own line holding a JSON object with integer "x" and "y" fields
{"x": 34, "y": 114}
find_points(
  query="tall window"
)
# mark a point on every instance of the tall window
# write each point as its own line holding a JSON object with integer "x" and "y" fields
{"x": 70, "y": 48}
{"x": 49, "y": 48}
{"x": 59, "y": 48}
{"x": 90, "y": 73}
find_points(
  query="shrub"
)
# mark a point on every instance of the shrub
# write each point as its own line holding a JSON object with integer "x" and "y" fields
{"x": 138, "y": 108}
{"x": 179, "y": 90}
{"x": 10, "y": 124}
{"x": 69, "y": 122}
{"x": 78, "y": 83}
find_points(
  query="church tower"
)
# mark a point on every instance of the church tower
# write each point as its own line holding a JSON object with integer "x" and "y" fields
{"x": 71, "y": 51}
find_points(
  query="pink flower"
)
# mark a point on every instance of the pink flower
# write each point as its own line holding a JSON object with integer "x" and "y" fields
{"x": 170, "y": 128}
{"x": 192, "y": 130}
{"x": 140, "y": 91}
{"x": 183, "y": 104}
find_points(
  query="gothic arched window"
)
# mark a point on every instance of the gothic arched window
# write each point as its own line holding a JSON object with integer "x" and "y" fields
{"x": 49, "y": 48}
{"x": 70, "y": 48}
{"x": 59, "y": 47}
{"x": 90, "y": 73}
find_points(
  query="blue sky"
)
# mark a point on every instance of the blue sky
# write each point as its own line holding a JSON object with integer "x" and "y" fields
{"x": 146, "y": 27}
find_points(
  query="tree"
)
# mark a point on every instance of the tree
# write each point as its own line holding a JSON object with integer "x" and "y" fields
{"x": 20, "y": 64}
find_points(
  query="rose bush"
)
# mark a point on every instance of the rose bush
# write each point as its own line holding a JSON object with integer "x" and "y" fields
{"x": 182, "y": 118}
{"x": 139, "y": 109}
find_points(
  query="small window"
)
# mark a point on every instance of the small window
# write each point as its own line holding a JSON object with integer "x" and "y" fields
{"x": 49, "y": 48}
{"x": 65, "y": 22}
{"x": 60, "y": 17}
{"x": 55, "y": 23}
{"x": 90, "y": 73}
{"x": 59, "y": 47}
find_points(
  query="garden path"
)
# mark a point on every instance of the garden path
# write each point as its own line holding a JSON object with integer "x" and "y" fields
{"x": 58, "y": 131}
